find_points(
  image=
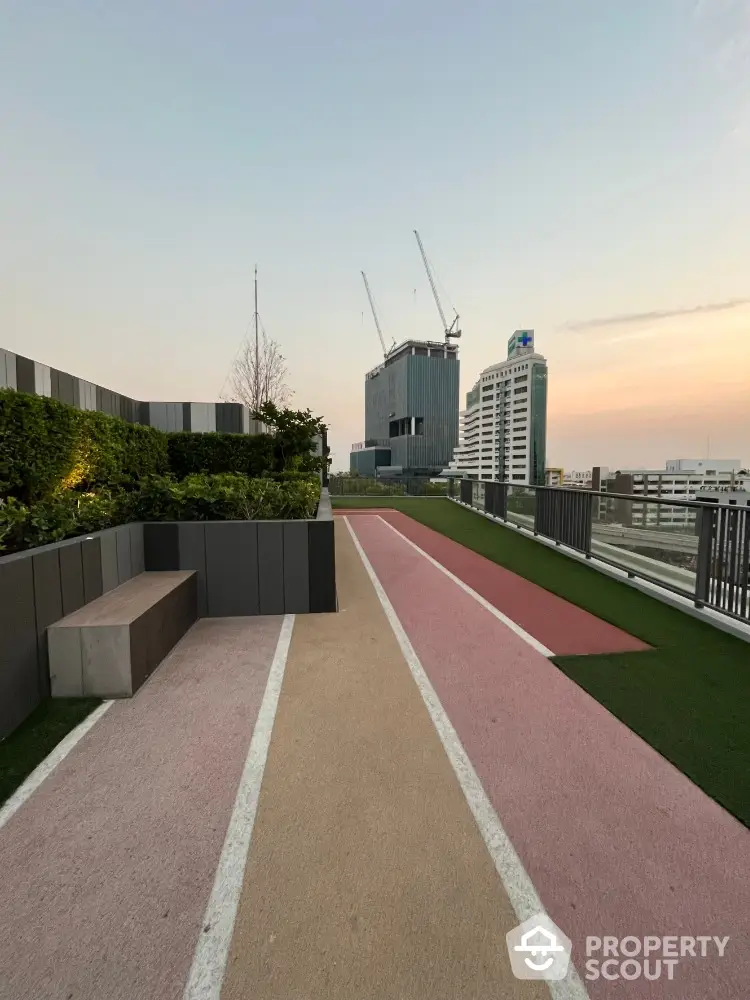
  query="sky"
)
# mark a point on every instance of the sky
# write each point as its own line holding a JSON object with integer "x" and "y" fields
{"x": 579, "y": 167}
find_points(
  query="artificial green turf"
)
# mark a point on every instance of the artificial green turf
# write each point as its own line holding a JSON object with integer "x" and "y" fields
{"x": 689, "y": 697}
{"x": 27, "y": 746}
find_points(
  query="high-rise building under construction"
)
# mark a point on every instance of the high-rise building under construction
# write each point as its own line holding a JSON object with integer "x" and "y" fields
{"x": 411, "y": 411}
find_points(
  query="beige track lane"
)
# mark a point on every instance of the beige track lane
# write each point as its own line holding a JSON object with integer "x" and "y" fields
{"x": 367, "y": 875}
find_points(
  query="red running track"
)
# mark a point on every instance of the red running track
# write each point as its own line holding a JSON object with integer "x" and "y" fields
{"x": 559, "y": 625}
{"x": 616, "y": 840}
{"x": 106, "y": 870}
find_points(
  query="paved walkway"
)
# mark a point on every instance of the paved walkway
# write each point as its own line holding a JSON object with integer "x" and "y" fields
{"x": 430, "y": 775}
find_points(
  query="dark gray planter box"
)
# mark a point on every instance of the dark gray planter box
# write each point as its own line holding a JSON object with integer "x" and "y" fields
{"x": 250, "y": 567}
{"x": 41, "y": 586}
{"x": 242, "y": 567}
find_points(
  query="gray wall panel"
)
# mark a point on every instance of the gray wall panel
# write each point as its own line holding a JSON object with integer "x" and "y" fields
{"x": 161, "y": 546}
{"x": 54, "y": 377}
{"x": 296, "y": 568}
{"x": 124, "y": 561}
{"x": 199, "y": 417}
{"x": 91, "y": 557}
{"x": 49, "y": 606}
{"x": 157, "y": 415}
{"x": 271, "y": 567}
{"x": 108, "y": 542}
{"x": 24, "y": 374}
{"x": 322, "y": 567}
{"x": 137, "y": 555}
{"x": 19, "y": 663}
{"x": 7, "y": 369}
{"x": 42, "y": 379}
{"x": 222, "y": 420}
{"x": 232, "y": 568}
{"x": 71, "y": 577}
{"x": 192, "y": 545}
{"x": 66, "y": 388}
{"x": 186, "y": 417}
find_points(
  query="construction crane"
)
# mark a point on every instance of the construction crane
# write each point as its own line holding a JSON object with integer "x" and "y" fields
{"x": 449, "y": 331}
{"x": 386, "y": 352}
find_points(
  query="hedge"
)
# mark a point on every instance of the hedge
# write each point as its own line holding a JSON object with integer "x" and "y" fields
{"x": 65, "y": 472}
{"x": 46, "y": 446}
{"x": 224, "y": 497}
{"x": 192, "y": 453}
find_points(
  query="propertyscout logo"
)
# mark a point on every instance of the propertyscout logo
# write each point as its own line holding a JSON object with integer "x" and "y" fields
{"x": 538, "y": 949}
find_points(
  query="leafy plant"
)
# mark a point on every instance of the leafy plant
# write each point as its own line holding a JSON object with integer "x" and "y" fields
{"x": 192, "y": 453}
{"x": 66, "y": 472}
{"x": 47, "y": 446}
{"x": 294, "y": 438}
{"x": 224, "y": 497}
{"x": 38, "y": 438}
{"x": 61, "y": 515}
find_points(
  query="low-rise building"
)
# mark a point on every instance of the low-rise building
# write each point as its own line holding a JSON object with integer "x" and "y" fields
{"x": 681, "y": 479}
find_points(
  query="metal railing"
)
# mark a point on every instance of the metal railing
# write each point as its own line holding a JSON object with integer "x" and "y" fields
{"x": 362, "y": 486}
{"x": 698, "y": 550}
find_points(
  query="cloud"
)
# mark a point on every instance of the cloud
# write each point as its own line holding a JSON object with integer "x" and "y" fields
{"x": 627, "y": 319}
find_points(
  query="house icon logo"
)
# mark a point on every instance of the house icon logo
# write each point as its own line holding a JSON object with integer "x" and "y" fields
{"x": 538, "y": 949}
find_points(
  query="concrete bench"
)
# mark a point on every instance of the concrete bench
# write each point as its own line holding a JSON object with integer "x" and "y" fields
{"x": 108, "y": 648}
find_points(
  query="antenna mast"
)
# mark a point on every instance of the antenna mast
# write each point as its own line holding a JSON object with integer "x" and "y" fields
{"x": 256, "y": 388}
{"x": 449, "y": 331}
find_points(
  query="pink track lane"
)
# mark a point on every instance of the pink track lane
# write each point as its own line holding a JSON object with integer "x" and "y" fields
{"x": 615, "y": 839}
{"x": 559, "y": 625}
{"x": 108, "y": 868}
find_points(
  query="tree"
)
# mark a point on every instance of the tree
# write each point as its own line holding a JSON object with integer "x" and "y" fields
{"x": 294, "y": 433}
{"x": 263, "y": 382}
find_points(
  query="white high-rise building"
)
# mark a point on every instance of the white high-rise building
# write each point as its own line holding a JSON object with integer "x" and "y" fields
{"x": 503, "y": 430}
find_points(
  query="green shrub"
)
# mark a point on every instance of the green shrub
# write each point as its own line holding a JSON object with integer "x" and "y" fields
{"x": 193, "y": 453}
{"x": 47, "y": 446}
{"x": 114, "y": 453}
{"x": 224, "y": 497}
{"x": 64, "y": 514}
{"x": 38, "y": 444}
{"x": 67, "y": 472}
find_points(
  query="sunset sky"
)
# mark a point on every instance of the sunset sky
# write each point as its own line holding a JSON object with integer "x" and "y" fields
{"x": 575, "y": 166}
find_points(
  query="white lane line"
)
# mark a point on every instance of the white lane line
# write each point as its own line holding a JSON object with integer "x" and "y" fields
{"x": 212, "y": 952}
{"x": 513, "y": 626}
{"x": 50, "y": 763}
{"x": 518, "y": 885}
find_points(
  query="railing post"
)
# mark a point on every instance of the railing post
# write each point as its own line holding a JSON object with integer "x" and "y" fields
{"x": 588, "y": 525}
{"x": 705, "y": 549}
